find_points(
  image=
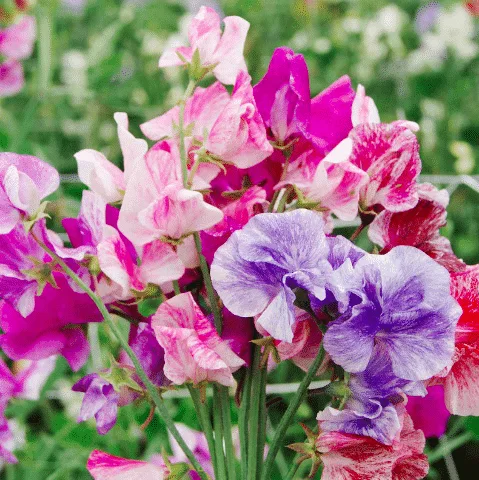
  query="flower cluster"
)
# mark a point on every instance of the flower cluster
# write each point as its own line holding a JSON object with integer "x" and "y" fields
{"x": 238, "y": 197}
{"x": 16, "y": 44}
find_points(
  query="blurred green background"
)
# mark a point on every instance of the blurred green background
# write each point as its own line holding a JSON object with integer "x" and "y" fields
{"x": 418, "y": 60}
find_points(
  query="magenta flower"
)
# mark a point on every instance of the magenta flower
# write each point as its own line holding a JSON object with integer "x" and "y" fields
{"x": 429, "y": 413}
{"x": 351, "y": 457}
{"x": 256, "y": 270}
{"x": 103, "y": 466}
{"x": 11, "y": 78}
{"x": 224, "y": 51}
{"x": 194, "y": 352}
{"x": 49, "y": 331}
{"x": 403, "y": 308}
{"x": 418, "y": 227}
{"x": 16, "y": 41}
{"x": 24, "y": 182}
{"x": 7, "y": 442}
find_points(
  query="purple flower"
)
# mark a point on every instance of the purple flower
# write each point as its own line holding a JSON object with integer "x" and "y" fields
{"x": 257, "y": 269}
{"x": 401, "y": 304}
{"x": 100, "y": 401}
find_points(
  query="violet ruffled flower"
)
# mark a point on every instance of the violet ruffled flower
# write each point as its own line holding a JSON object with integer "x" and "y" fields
{"x": 403, "y": 306}
{"x": 256, "y": 271}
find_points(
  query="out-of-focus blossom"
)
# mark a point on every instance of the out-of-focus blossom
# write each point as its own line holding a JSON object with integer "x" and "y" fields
{"x": 11, "y": 78}
{"x": 221, "y": 52}
{"x": 24, "y": 182}
{"x": 403, "y": 308}
{"x": 429, "y": 413}
{"x": 351, "y": 457}
{"x": 418, "y": 227}
{"x": 7, "y": 442}
{"x": 256, "y": 270}
{"x": 461, "y": 384}
{"x": 49, "y": 331}
{"x": 16, "y": 41}
{"x": 103, "y": 466}
{"x": 156, "y": 206}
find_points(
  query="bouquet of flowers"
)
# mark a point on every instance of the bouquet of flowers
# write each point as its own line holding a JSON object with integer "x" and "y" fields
{"x": 226, "y": 226}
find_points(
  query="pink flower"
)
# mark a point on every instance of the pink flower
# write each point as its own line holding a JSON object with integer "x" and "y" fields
{"x": 104, "y": 177}
{"x": 156, "y": 206}
{"x": 364, "y": 109}
{"x": 429, "y": 413}
{"x": 461, "y": 384}
{"x": 11, "y": 78}
{"x": 418, "y": 227}
{"x": 49, "y": 331}
{"x": 234, "y": 130}
{"x": 389, "y": 154}
{"x": 7, "y": 442}
{"x": 224, "y": 51}
{"x": 103, "y": 466}
{"x": 194, "y": 351}
{"x": 353, "y": 457}
{"x": 283, "y": 95}
{"x": 158, "y": 263}
{"x": 16, "y": 41}
{"x": 236, "y": 216}
{"x": 24, "y": 182}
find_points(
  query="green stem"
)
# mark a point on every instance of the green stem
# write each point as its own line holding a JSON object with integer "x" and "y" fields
{"x": 227, "y": 434}
{"x": 203, "y": 413}
{"x": 243, "y": 421}
{"x": 254, "y": 418}
{"x": 262, "y": 420}
{"x": 136, "y": 363}
{"x": 181, "y": 128}
{"x": 450, "y": 446}
{"x": 218, "y": 425}
{"x": 289, "y": 414}
{"x": 293, "y": 469}
{"x": 176, "y": 287}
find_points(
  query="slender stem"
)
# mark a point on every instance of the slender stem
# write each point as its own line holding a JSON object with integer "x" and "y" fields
{"x": 94, "y": 341}
{"x": 176, "y": 287}
{"x": 450, "y": 446}
{"x": 227, "y": 434}
{"x": 289, "y": 414}
{"x": 357, "y": 232}
{"x": 254, "y": 415}
{"x": 449, "y": 461}
{"x": 136, "y": 363}
{"x": 293, "y": 469}
{"x": 181, "y": 128}
{"x": 218, "y": 425}
{"x": 262, "y": 420}
{"x": 203, "y": 413}
{"x": 243, "y": 422}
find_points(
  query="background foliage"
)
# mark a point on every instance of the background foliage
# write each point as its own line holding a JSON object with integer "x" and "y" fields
{"x": 96, "y": 57}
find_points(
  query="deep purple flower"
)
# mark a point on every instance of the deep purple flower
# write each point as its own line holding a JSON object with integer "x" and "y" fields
{"x": 100, "y": 401}
{"x": 401, "y": 303}
{"x": 257, "y": 269}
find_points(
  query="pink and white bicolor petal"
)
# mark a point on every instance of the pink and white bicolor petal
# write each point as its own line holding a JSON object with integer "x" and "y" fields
{"x": 16, "y": 41}
{"x": 103, "y": 466}
{"x": 364, "y": 109}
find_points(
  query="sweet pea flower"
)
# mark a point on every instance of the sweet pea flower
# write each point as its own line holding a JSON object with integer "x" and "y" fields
{"x": 429, "y": 413}
{"x": 461, "y": 383}
{"x": 7, "y": 442}
{"x": 104, "y": 177}
{"x": 16, "y": 41}
{"x": 103, "y": 466}
{"x": 156, "y": 206}
{"x": 24, "y": 182}
{"x": 221, "y": 52}
{"x": 11, "y": 78}
{"x": 403, "y": 307}
{"x": 194, "y": 352}
{"x": 258, "y": 267}
{"x": 49, "y": 331}
{"x": 418, "y": 227}
{"x": 353, "y": 457}
{"x": 283, "y": 95}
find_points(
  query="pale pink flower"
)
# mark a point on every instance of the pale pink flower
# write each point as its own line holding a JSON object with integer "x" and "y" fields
{"x": 364, "y": 109}
{"x": 11, "y": 78}
{"x": 24, "y": 182}
{"x": 102, "y": 176}
{"x": 103, "y": 466}
{"x": 224, "y": 51}
{"x": 16, "y": 41}
{"x": 194, "y": 352}
{"x": 353, "y": 457}
{"x": 156, "y": 206}
{"x": 158, "y": 263}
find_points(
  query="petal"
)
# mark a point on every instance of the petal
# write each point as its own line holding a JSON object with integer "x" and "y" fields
{"x": 16, "y": 41}
{"x": 160, "y": 263}
{"x": 364, "y": 109}
{"x": 11, "y": 78}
